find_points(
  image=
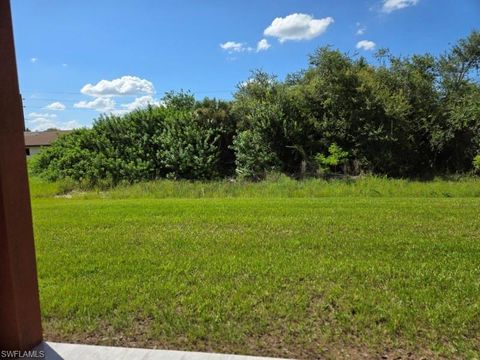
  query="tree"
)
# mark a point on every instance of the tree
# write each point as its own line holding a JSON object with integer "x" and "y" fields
{"x": 457, "y": 138}
{"x": 415, "y": 116}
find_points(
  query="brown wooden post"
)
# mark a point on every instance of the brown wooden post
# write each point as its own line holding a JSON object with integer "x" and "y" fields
{"x": 20, "y": 326}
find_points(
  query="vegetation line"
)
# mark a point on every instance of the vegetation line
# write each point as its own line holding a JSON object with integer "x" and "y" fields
{"x": 275, "y": 186}
{"x": 407, "y": 117}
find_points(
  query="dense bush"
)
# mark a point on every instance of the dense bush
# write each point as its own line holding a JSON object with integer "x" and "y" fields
{"x": 476, "y": 164}
{"x": 176, "y": 141}
{"x": 415, "y": 116}
{"x": 188, "y": 148}
{"x": 254, "y": 157}
{"x": 335, "y": 158}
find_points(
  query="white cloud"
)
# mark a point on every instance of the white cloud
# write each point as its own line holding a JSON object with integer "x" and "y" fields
{"x": 65, "y": 65}
{"x": 126, "y": 85}
{"x": 70, "y": 125}
{"x": 235, "y": 47}
{"x": 34, "y": 115}
{"x": 140, "y": 102}
{"x": 232, "y": 46}
{"x": 41, "y": 124}
{"x": 33, "y": 60}
{"x": 392, "y": 5}
{"x": 361, "y": 29}
{"x": 366, "y": 45}
{"x": 55, "y": 106}
{"x": 263, "y": 45}
{"x": 297, "y": 27}
{"x": 101, "y": 104}
{"x": 44, "y": 121}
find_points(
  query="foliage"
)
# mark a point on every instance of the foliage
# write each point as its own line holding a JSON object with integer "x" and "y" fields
{"x": 274, "y": 186}
{"x": 188, "y": 148}
{"x": 407, "y": 117}
{"x": 336, "y": 157}
{"x": 476, "y": 164}
{"x": 176, "y": 140}
{"x": 254, "y": 158}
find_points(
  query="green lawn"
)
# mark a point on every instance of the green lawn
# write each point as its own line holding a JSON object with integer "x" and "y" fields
{"x": 295, "y": 274}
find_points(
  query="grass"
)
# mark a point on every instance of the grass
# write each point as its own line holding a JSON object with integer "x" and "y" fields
{"x": 303, "y": 270}
{"x": 278, "y": 186}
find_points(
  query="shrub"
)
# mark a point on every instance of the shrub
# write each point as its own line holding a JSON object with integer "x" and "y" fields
{"x": 476, "y": 164}
{"x": 254, "y": 158}
{"x": 176, "y": 141}
{"x": 188, "y": 148}
{"x": 73, "y": 156}
{"x": 337, "y": 156}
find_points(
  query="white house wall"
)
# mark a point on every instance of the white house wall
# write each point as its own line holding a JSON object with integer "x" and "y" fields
{"x": 34, "y": 150}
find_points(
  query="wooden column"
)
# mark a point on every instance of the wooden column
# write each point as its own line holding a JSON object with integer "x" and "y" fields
{"x": 20, "y": 326}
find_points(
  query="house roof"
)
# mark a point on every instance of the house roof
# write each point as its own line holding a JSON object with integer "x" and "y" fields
{"x": 43, "y": 138}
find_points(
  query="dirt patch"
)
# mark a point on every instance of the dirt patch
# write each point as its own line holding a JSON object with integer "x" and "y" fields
{"x": 272, "y": 345}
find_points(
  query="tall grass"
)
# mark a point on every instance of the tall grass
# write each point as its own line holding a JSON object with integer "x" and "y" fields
{"x": 274, "y": 187}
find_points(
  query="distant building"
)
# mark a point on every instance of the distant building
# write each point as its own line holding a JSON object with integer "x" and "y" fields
{"x": 34, "y": 141}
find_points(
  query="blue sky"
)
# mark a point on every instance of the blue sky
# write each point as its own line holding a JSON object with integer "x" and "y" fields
{"x": 77, "y": 59}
